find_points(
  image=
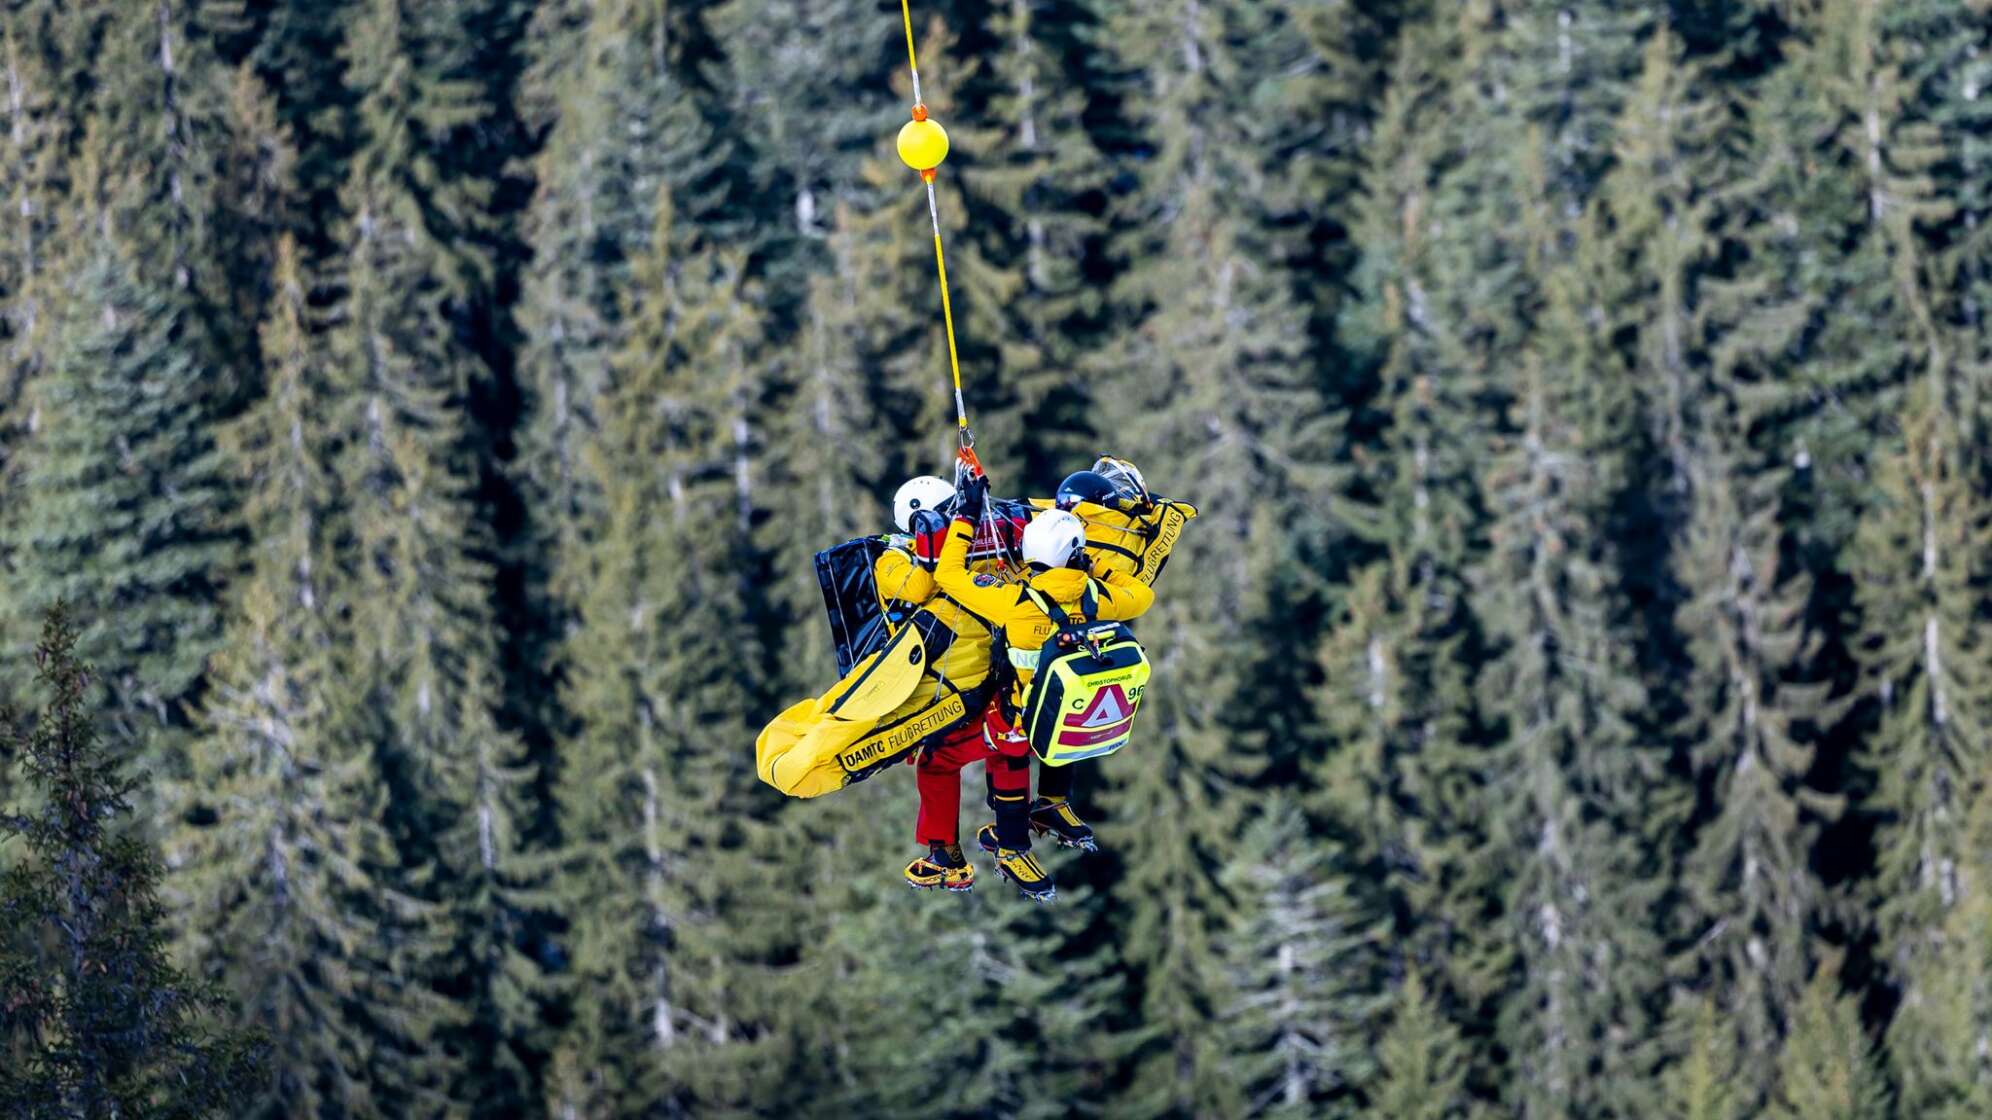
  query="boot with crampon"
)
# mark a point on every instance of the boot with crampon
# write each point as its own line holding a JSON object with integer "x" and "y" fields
{"x": 1019, "y": 866}
{"x": 1055, "y": 817}
{"x": 942, "y": 868}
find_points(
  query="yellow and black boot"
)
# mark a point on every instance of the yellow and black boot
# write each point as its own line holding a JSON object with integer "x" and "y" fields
{"x": 1055, "y": 817}
{"x": 942, "y": 868}
{"x": 1019, "y": 866}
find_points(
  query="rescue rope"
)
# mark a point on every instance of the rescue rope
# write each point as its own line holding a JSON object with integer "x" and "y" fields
{"x": 912, "y": 61}
{"x": 963, "y": 432}
{"x": 923, "y": 145}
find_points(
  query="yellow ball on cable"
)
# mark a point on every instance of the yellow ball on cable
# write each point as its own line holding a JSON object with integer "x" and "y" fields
{"x": 923, "y": 144}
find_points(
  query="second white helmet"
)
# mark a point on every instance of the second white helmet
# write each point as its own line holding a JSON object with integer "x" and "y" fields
{"x": 915, "y": 494}
{"x": 1052, "y": 537}
{"x": 1125, "y": 476}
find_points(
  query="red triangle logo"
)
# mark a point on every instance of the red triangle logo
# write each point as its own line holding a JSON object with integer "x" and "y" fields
{"x": 1110, "y": 706}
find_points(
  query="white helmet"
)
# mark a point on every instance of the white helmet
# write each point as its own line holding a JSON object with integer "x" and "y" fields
{"x": 924, "y": 492}
{"x": 1125, "y": 476}
{"x": 1052, "y": 537}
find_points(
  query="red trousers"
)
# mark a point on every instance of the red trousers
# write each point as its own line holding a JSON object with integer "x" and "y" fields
{"x": 1006, "y": 763}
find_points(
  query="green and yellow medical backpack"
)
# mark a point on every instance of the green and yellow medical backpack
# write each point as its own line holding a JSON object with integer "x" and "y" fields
{"x": 1090, "y": 679}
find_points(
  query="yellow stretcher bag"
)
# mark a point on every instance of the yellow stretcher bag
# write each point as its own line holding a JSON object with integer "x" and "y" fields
{"x": 1091, "y": 678}
{"x": 882, "y": 681}
{"x": 887, "y": 705}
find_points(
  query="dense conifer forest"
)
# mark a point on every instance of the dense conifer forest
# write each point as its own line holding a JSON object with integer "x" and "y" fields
{"x": 1574, "y": 701}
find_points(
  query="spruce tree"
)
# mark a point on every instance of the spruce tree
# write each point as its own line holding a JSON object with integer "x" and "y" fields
{"x": 1819, "y": 325}
{"x": 857, "y": 909}
{"x": 29, "y": 187}
{"x": 1702, "y": 1084}
{"x": 1569, "y": 68}
{"x": 1058, "y": 1042}
{"x": 654, "y": 873}
{"x": 399, "y": 371}
{"x": 33, "y": 146}
{"x": 68, "y": 37}
{"x": 829, "y": 479}
{"x": 1828, "y": 1069}
{"x": 283, "y": 859}
{"x": 1809, "y": 339}
{"x": 164, "y": 114}
{"x": 1215, "y": 392}
{"x": 97, "y": 1021}
{"x": 499, "y": 885}
{"x": 1303, "y": 985}
{"x": 1921, "y": 589}
{"x": 415, "y": 562}
{"x": 1043, "y": 993}
{"x": 1948, "y": 54}
{"x": 822, "y": 84}
{"x": 297, "y": 57}
{"x": 1571, "y": 786}
{"x": 1659, "y": 226}
{"x": 155, "y": 123}
{"x": 1212, "y": 372}
{"x": 1034, "y": 1045}
{"x": 1421, "y": 1060}
{"x": 1751, "y": 897}
{"x": 124, "y": 509}
{"x": 1659, "y": 202}
{"x": 1330, "y": 111}
{"x": 1362, "y": 710}
{"x": 1936, "y": 1047}
{"x": 1400, "y": 661}
{"x": 259, "y": 204}
{"x": 605, "y": 89}
{"x": 1922, "y": 592}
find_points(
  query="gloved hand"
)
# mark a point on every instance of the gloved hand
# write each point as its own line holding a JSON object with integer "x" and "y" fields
{"x": 973, "y": 498}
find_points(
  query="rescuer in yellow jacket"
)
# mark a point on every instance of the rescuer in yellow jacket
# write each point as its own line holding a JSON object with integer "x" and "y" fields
{"x": 1128, "y": 530}
{"x": 1054, "y": 550}
{"x": 929, "y": 678}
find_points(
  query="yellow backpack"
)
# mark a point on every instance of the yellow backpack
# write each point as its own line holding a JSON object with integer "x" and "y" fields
{"x": 1091, "y": 677}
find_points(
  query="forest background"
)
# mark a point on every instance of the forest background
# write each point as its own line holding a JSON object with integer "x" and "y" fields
{"x": 1573, "y": 701}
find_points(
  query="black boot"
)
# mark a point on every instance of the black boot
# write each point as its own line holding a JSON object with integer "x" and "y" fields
{"x": 1019, "y": 866}
{"x": 1055, "y": 817}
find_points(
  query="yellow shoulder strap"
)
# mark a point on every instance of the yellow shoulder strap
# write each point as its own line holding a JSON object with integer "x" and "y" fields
{"x": 1051, "y": 610}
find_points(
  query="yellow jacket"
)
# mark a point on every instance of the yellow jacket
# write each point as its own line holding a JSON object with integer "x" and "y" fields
{"x": 901, "y": 580}
{"x": 1027, "y": 628}
{"x": 1136, "y": 543}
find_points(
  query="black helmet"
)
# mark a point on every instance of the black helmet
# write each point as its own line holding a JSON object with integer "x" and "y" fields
{"x": 1085, "y": 486}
